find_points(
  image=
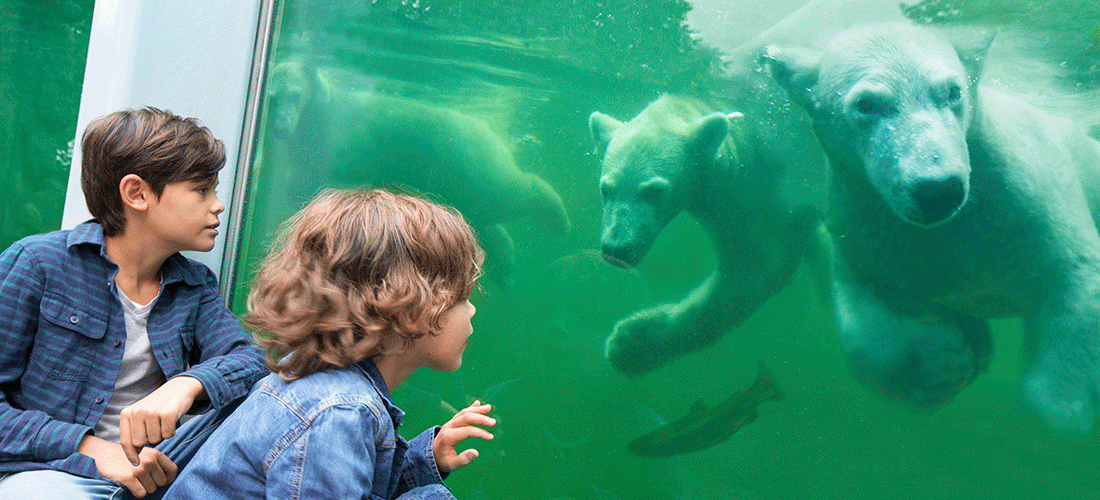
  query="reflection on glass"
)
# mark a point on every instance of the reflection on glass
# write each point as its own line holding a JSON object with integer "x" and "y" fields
{"x": 682, "y": 217}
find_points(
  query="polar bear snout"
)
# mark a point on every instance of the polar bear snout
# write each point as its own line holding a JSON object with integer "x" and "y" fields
{"x": 937, "y": 200}
{"x": 625, "y": 240}
{"x": 623, "y": 253}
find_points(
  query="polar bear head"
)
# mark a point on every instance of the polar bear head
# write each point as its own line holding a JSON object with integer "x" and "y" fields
{"x": 651, "y": 171}
{"x": 892, "y": 104}
{"x": 292, "y": 83}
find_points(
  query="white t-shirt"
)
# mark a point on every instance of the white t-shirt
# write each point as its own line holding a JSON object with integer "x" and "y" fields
{"x": 139, "y": 375}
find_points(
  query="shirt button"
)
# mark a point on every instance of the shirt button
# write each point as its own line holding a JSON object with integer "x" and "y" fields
{"x": 99, "y": 399}
{"x": 118, "y": 342}
{"x": 74, "y": 319}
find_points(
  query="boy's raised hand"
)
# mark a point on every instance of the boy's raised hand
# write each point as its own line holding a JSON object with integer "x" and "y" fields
{"x": 153, "y": 419}
{"x": 460, "y": 427}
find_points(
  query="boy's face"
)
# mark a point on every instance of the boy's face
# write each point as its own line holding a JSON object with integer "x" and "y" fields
{"x": 186, "y": 215}
{"x": 442, "y": 349}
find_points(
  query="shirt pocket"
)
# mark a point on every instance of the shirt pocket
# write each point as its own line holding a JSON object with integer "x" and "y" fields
{"x": 68, "y": 332}
{"x": 178, "y": 353}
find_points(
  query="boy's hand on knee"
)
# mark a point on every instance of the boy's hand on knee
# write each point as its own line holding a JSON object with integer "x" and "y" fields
{"x": 154, "y": 469}
{"x": 153, "y": 419}
{"x": 460, "y": 427}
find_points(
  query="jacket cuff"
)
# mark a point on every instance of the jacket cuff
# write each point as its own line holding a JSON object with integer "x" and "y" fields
{"x": 420, "y": 467}
{"x": 226, "y": 380}
{"x": 58, "y": 440}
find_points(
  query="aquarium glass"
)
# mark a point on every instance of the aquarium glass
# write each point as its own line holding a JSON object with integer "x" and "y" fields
{"x": 486, "y": 105}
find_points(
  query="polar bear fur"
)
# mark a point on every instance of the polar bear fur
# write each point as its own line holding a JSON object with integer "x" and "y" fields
{"x": 335, "y": 136}
{"x": 682, "y": 154}
{"x": 952, "y": 203}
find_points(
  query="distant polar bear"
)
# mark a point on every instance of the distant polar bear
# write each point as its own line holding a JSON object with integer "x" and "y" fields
{"x": 334, "y": 136}
{"x": 952, "y": 203}
{"x": 745, "y": 183}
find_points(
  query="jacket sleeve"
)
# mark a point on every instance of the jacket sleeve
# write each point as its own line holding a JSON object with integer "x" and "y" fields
{"x": 420, "y": 477}
{"x": 228, "y": 360}
{"x": 26, "y": 435}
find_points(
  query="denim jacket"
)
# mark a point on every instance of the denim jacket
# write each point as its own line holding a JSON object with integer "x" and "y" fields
{"x": 331, "y": 434}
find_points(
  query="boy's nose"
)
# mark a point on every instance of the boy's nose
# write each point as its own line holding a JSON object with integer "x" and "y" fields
{"x": 218, "y": 207}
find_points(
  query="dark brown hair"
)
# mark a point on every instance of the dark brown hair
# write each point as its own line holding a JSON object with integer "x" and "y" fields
{"x": 356, "y": 274}
{"x": 156, "y": 145}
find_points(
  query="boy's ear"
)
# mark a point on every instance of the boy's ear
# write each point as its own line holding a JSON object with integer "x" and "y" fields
{"x": 135, "y": 192}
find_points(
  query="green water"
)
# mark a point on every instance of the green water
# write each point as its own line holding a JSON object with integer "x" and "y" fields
{"x": 42, "y": 50}
{"x": 535, "y": 71}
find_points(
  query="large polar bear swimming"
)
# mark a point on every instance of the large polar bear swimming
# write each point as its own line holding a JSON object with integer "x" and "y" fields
{"x": 754, "y": 181}
{"x": 952, "y": 203}
{"x": 336, "y": 136}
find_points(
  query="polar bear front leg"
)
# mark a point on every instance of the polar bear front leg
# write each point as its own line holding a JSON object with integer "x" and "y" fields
{"x": 650, "y": 338}
{"x": 1061, "y": 383}
{"x": 922, "y": 357}
{"x": 639, "y": 343}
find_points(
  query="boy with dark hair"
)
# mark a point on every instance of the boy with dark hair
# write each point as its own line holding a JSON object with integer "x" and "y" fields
{"x": 365, "y": 288}
{"x": 108, "y": 335}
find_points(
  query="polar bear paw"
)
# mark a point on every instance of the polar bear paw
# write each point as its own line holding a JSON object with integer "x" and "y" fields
{"x": 926, "y": 372}
{"x": 640, "y": 343}
{"x": 1066, "y": 402}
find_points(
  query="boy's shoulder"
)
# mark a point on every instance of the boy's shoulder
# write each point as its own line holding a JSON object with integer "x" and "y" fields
{"x": 54, "y": 243}
{"x": 324, "y": 389}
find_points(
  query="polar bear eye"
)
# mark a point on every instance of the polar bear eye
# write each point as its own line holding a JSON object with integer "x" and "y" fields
{"x": 949, "y": 95}
{"x": 605, "y": 189}
{"x": 653, "y": 190}
{"x": 874, "y": 105}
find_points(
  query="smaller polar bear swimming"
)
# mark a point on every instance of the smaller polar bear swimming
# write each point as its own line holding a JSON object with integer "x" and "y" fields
{"x": 952, "y": 203}
{"x": 753, "y": 180}
{"x": 336, "y": 136}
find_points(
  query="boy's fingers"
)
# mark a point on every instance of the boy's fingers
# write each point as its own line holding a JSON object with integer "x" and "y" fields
{"x": 467, "y": 456}
{"x": 157, "y": 474}
{"x": 463, "y": 419}
{"x": 168, "y": 466}
{"x": 167, "y": 428}
{"x": 152, "y": 432}
{"x": 124, "y": 439}
{"x": 146, "y": 484}
{"x": 461, "y": 433}
{"x": 135, "y": 487}
{"x": 478, "y": 407}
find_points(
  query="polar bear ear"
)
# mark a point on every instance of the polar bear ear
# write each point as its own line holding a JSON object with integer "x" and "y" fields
{"x": 602, "y": 128}
{"x": 795, "y": 70}
{"x": 707, "y": 133}
{"x": 972, "y": 54}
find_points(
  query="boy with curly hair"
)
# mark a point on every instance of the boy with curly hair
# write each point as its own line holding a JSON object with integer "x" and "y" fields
{"x": 108, "y": 334}
{"x": 365, "y": 288}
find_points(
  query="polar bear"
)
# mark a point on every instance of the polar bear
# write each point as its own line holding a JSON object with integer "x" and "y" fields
{"x": 747, "y": 186}
{"x": 333, "y": 136}
{"x": 952, "y": 203}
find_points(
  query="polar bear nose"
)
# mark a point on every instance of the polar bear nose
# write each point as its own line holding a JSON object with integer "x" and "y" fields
{"x": 938, "y": 199}
{"x": 622, "y": 254}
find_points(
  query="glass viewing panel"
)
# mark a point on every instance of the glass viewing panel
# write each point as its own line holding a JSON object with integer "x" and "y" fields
{"x": 690, "y": 233}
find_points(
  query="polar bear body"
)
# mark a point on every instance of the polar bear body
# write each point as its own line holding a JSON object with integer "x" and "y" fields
{"x": 338, "y": 137}
{"x": 952, "y": 203}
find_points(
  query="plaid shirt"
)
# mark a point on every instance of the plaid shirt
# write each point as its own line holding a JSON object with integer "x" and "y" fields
{"x": 62, "y": 336}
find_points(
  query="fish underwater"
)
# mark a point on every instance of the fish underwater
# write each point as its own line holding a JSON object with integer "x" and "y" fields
{"x": 704, "y": 427}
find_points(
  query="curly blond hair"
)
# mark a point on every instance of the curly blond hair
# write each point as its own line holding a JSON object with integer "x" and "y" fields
{"x": 356, "y": 274}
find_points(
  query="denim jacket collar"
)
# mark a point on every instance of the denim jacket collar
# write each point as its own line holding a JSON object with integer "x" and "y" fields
{"x": 176, "y": 268}
{"x": 369, "y": 370}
